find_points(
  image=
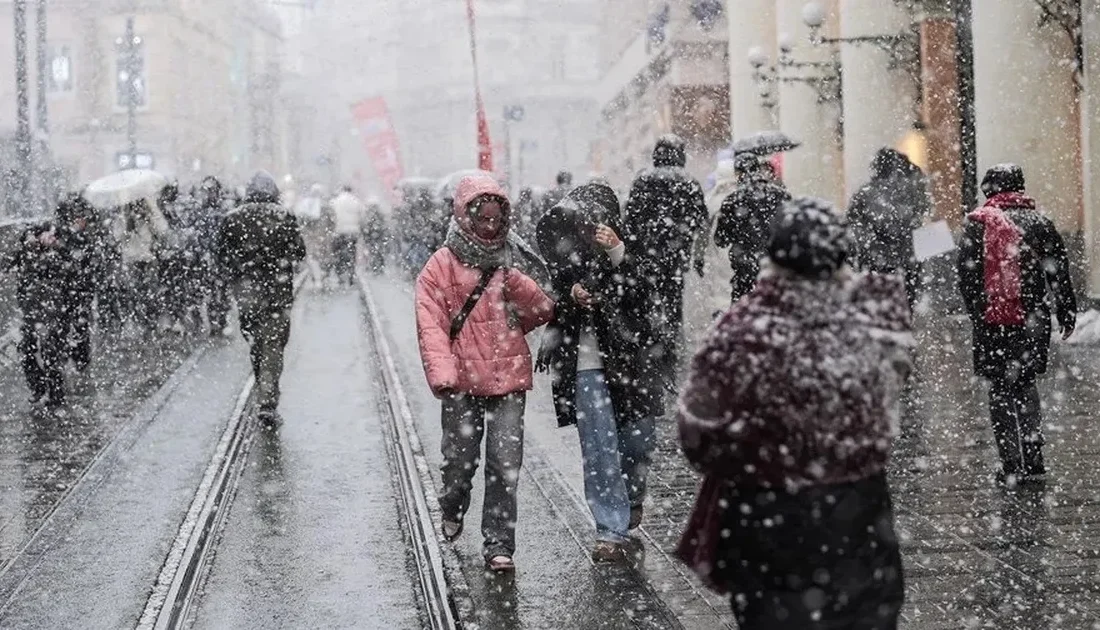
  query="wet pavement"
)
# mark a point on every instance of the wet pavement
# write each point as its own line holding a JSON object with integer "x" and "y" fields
{"x": 313, "y": 538}
{"x": 90, "y": 502}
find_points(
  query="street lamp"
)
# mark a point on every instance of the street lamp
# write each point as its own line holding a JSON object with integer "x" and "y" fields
{"x": 822, "y": 76}
{"x": 903, "y": 47}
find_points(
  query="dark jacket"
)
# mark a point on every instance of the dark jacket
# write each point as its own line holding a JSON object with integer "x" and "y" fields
{"x": 620, "y": 321}
{"x": 788, "y": 411}
{"x": 664, "y": 214}
{"x": 259, "y": 247}
{"x": 1018, "y": 352}
{"x": 744, "y": 222}
{"x": 883, "y": 214}
{"x": 47, "y": 274}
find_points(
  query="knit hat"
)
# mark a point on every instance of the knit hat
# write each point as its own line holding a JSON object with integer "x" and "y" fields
{"x": 810, "y": 237}
{"x": 1003, "y": 178}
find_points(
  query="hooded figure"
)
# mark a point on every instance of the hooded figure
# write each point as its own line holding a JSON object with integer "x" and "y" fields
{"x": 745, "y": 219}
{"x": 885, "y": 212}
{"x": 259, "y": 248}
{"x": 665, "y": 213}
{"x": 789, "y": 411}
{"x": 473, "y": 310}
{"x": 597, "y": 355}
{"x": 1010, "y": 259}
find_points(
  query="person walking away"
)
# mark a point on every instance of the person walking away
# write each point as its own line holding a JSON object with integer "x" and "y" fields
{"x": 473, "y": 310}
{"x": 347, "y": 220}
{"x": 592, "y": 349}
{"x": 259, "y": 247}
{"x": 1010, "y": 259}
{"x": 665, "y": 213}
{"x": 211, "y": 214}
{"x": 76, "y": 219}
{"x": 43, "y": 266}
{"x": 563, "y": 183}
{"x": 885, "y": 212}
{"x": 745, "y": 219}
{"x": 789, "y": 412}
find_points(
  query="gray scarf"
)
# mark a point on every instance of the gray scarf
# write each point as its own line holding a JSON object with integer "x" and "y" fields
{"x": 474, "y": 253}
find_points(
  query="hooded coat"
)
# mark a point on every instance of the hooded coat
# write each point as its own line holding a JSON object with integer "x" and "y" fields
{"x": 1017, "y": 352}
{"x": 743, "y": 225}
{"x": 885, "y": 212}
{"x": 490, "y": 356}
{"x": 789, "y": 411}
{"x": 619, "y": 321}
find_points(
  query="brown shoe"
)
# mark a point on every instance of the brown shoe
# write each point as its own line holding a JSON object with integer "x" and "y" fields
{"x": 635, "y": 517}
{"x": 606, "y": 552}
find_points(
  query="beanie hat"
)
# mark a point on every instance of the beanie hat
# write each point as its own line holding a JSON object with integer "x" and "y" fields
{"x": 810, "y": 237}
{"x": 1003, "y": 178}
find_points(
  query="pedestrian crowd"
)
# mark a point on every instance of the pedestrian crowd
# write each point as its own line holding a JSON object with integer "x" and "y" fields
{"x": 790, "y": 406}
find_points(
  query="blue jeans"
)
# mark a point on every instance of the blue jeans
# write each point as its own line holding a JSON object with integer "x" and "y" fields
{"x": 616, "y": 457}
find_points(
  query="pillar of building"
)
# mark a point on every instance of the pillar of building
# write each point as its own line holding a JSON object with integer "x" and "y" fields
{"x": 1027, "y": 104}
{"x": 1090, "y": 136}
{"x": 817, "y": 167}
{"x": 880, "y": 87}
{"x": 940, "y": 111}
{"x": 751, "y": 26}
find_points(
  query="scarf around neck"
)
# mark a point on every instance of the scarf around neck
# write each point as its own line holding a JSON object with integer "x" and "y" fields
{"x": 476, "y": 253}
{"x": 1001, "y": 257}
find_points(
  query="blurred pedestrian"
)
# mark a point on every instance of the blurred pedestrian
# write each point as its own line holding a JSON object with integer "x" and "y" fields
{"x": 885, "y": 212}
{"x": 745, "y": 219}
{"x": 1010, "y": 259}
{"x": 139, "y": 228}
{"x": 595, "y": 350}
{"x": 376, "y": 235}
{"x": 76, "y": 219}
{"x": 347, "y": 221}
{"x": 789, "y": 411}
{"x": 665, "y": 214}
{"x": 210, "y": 215}
{"x": 563, "y": 183}
{"x": 259, "y": 248}
{"x": 473, "y": 310}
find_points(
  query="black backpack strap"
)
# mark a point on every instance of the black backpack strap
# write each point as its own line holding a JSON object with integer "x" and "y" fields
{"x": 460, "y": 320}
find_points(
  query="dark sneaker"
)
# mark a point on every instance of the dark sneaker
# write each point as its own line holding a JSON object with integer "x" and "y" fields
{"x": 605, "y": 552}
{"x": 452, "y": 529}
{"x": 636, "y": 513}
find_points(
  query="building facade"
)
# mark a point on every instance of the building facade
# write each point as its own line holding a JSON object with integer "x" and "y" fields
{"x": 210, "y": 87}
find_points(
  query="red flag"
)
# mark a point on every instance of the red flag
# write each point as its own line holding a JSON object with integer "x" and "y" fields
{"x": 373, "y": 119}
{"x": 484, "y": 142}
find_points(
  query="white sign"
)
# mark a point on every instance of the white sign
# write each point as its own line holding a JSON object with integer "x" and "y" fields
{"x": 933, "y": 240}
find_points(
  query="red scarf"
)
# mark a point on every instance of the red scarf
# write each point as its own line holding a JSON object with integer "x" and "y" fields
{"x": 1004, "y": 296}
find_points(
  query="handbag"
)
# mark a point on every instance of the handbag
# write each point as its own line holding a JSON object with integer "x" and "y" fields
{"x": 460, "y": 320}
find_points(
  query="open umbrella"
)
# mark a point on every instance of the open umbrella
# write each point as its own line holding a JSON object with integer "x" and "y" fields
{"x": 766, "y": 143}
{"x": 123, "y": 187}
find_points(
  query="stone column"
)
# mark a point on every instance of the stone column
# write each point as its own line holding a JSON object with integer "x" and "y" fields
{"x": 752, "y": 25}
{"x": 817, "y": 167}
{"x": 1027, "y": 104}
{"x": 1090, "y": 110}
{"x": 879, "y": 101}
{"x": 940, "y": 105}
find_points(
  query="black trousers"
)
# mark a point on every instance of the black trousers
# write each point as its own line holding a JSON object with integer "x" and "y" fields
{"x": 43, "y": 349}
{"x": 79, "y": 329}
{"x": 1017, "y": 418}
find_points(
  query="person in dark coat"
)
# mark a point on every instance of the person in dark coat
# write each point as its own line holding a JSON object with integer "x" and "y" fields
{"x": 211, "y": 213}
{"x": 885, "y": 212}
{"x": 789, "y": 411}
{"x": 745, "y": 219}
{"x": 259, "y": 248}
{"x": 1010, "y": 259}
{"x": 563, "y": 183}
{"x": 665, "y": 213}
{"x": 87, "y": 268}
{"x": 595, "y": 348}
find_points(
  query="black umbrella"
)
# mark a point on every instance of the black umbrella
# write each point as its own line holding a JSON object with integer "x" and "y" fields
{"x": 766, "y": 143}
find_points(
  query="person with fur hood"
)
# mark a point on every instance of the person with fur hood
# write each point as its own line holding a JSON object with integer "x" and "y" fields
{"x": 789, "y": 411}
{"x": 473, "y": 311}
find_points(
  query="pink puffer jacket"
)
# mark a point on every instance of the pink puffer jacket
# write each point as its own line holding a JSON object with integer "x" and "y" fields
{"x": 490, "y": 357}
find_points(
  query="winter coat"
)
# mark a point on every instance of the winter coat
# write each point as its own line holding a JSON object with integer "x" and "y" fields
{"x": 1017, "y": 352}
{"x": 347, "y": 214}
{"x": 619, "y": 322}
{"x": 490, "y": 356}
{"x": 259, "y": 247}
{"x": 47, "y": 274}
{"x": 883, "y": 215}
{"x": 665, "y": 212}
{"x": 744, "y": 222}
{"x": 793, "y": 399}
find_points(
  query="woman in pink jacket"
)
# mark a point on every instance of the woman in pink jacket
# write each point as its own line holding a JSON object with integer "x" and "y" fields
{"x": 473, "y": 310}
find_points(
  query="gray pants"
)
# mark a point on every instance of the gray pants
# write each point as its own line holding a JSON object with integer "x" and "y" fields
{"x": 267, "y": 332}
{"x": 465, "y": 419}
